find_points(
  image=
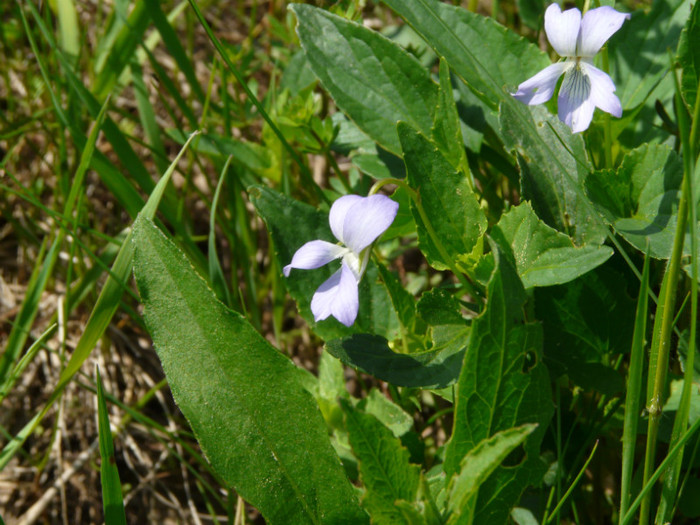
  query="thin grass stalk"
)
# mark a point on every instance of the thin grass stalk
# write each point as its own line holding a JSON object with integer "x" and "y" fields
{"x": 304, "y": 170}
{"x": 668, "y": 494}
{"x": 661, "y": 341}
{"x": 633, "y": 399}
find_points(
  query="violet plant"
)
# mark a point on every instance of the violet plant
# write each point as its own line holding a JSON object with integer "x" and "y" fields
{"x": 499, "y": 373}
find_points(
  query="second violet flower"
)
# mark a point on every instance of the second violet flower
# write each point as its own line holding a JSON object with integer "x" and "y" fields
{"x": 356, "y": 222}
{"x": 584, "y": 87}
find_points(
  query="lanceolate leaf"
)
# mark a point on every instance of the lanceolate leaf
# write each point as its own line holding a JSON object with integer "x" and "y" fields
{"x": 373, "y": 80}
{"x": 246, "y": 402}
{"x": 503, "y": 384}
{"x": 543, "y": 256}
{"x": 291, "y": 224}
{"x": 446, "y": 196}
{"x": 386, "y": 473}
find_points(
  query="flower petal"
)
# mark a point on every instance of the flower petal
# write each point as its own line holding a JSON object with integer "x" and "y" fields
{"x": 366, "y": 220}
{"x": 314, "y": 254}
{"x": 337, "y": 296}
{"x": 575, "y": 105}
{"x": 597, "y": 26}
{"x": 337, "y": 214}
{"x": 562, "y": 29}
{"x": 540, "y": 88}
{"x": 603, "y": 90}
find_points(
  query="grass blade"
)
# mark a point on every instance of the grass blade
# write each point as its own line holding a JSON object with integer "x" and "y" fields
{"x": 112, "y": 500}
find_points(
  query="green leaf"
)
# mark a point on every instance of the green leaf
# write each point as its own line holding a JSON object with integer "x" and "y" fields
{"x": 447, "y": 198}
{"x": 389, "y": 413}
{"x": 502, "y": 384}
{"x": 435, "y": 368}
{"x": 214, "y": 361}
{"x": 640, "y": 199}
{"x": 447, "y": 131}
{"x": 639, "y": 50}
{"x": 490, "y": 58}
{"x": 587, "y": 323}
{"x": 689, "y": 57}
{"x": 477, "y": 465}
{"x": 553, "y": 166}
{"x": 403, "y": 301}
{"x": 373, "y": 80}
{"x": 543, "y": 256}
{"x": 385, "y": 470}
{"x": 291, "y": 224}
{"x": 112, "y": 500}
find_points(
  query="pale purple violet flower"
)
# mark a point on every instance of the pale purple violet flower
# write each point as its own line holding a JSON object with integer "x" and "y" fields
{"x": 356, "y": 222}
{"x": 584, "y": 87}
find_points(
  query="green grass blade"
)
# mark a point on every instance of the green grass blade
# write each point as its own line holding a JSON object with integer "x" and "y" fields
{"x": 26, "y": 359}
{"x": 112, "y": 499}
{"x": 147, "y": 116}
{"x": 304, "y": 170}
{"x": 216, "y": 274}
{"x": 68, "y": 27}
{"x": 175, "y": 48}
{"x": 633, "y": 400}
{"x": 122, "y": 51}
{"x": 106, "y": 306}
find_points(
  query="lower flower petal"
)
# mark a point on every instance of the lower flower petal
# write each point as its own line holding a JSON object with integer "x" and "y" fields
{"x": 574, "y": 103}
{"x": 540, "y": 88}
{"x": 337, "y": 296}
{"x": 314, "y": 254}
{"x": 603, "y": 91}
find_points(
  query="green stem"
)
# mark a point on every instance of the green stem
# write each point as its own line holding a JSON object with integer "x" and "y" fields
{"x": 680, "y": 423}
{"x": 662, "y": 337}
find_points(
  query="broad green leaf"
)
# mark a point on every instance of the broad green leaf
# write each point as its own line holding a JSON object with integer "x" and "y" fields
{"x": 553, "y": 166}
{"x": 640, "y": 199}
{"x": 639, "y": 50}
{"x": 477, "y": 465}
{"x": 291, "y": 224}
{"x": 587, "y": 323}
{"x": 112, "y": 500}
{"x": 435, "y": 368}
{"x": 503, "y": 383}
{"x": 373, "y": 80}
{"x": 247, "y": 404}
{"x": 689, "y": 57}
{"x": 446, "y": 195}
{"x": 544, "y": 256}
{"x": 490, "y": 58}
{"x": 387, "y": 412}
{"x": 386, "y": 473}
{"x": 447, "y": 133}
